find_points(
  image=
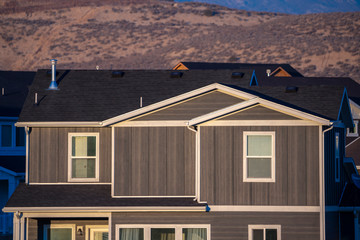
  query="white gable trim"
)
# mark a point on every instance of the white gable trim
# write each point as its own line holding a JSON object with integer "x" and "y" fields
{"x": 253, "y": 101}
{"x": 211, "y": 87}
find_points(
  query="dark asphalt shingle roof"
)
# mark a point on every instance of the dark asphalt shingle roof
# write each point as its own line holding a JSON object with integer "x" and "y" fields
{"x": 85, "y": 196}
{"x": 87, "y": 95}
{"x": 13, "y": 163}
{"x": 260, "y": 68}
{"x": 16, "y": 86}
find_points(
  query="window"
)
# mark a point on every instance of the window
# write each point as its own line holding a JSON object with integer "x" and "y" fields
{"x": 83, "y": 157}
{"x": 337, "y": 157}
{"x": 264, "y": 232}
{"x": 162, "y": 232}
{"x": 97, "y": 232}
{"x": 12, "y": 139}
{"x": 59, "y": 232}
{"x": 354, "y": 131}
{"x": 259, "y": 157}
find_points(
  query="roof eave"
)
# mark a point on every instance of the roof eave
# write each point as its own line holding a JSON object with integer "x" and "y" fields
{"x": 58, "y": 124}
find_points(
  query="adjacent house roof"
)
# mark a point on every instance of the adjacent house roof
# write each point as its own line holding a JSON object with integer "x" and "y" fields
{"x": 13, "y": 163}
{"x": 260, "y": 69}
{"x": 85, "y": 196}
{"x": 85, "y": 95}
{"x": 15, "y": 86}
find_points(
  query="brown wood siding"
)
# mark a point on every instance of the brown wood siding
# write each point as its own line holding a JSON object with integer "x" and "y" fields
{"x": 154, "y": 161}
{"x": 48, "y": 157}
{"x": 259, "y": 113}
{"x": 35, "y": 226}
{"x": 230, "y": 225}
{"x": 193, "y": 108}
{"x": 296, "y": 167}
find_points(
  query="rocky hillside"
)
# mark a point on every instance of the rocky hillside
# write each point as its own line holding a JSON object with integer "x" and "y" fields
{"x": 160, "y": 34}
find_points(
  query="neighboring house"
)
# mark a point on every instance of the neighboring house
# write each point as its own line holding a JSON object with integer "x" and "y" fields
{"x": 199, "y": 154}
{"x": 261, "y": 70}
{"x": 14, "y": 89}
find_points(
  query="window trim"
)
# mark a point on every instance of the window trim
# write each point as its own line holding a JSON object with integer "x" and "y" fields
{"x": 13, "y": 146}
{"x": 356, "y": 132}
{"x": 178, "y": 229}
{"x": 337, "y": 158}
{"x": 83, "y": 134}
{"x": 264, "y": 227}
{"x": 49, "y": 226}
{"x": 90, "y": 229}
{"x": 251, "y": 133}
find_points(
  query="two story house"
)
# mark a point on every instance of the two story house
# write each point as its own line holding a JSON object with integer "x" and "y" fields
{"x": 171, "y": 155}
{"x": 14, "y": 89}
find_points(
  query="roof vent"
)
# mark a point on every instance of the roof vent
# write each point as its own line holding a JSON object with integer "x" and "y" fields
{"x": 53, "y": 84}
{"x": 2, "y": 91}
{"x": 176, "y": 74}
{"x": 237, "y": 74}
{"x": 117, "y": 74}
{"x": 291, "y": 89}
{"x": 268, "y": 72}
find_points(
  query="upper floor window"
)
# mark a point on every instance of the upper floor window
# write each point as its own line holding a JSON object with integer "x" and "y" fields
{"x": 83, "y": 157}
{"x": 12, "y": 139}
{"x": 354, "y": 131}
{"x": 264, "y": 232}
{"x": 337, "y": 157}
{"x": 259, "y": 157}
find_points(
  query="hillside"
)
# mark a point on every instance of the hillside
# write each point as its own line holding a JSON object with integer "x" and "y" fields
{"x": 158, "y": 35}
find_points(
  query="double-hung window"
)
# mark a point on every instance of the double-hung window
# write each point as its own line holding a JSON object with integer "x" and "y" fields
{"x": 337, "y": 157}
{"x": 12, "y": 139}
{"x": 259, "y": 157}
{"x": 59, "y": 231}
{"x": 264, "y": 232}
{"x": 162, "y": 232}
{"x": 83, "y": 164}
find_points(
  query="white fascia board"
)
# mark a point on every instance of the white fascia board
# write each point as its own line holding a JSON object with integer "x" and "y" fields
{"x": 223, "y": 111}
{"x": 58, "y": 124}
{"x": 211, "y": 87}
{"x": 256, "y": 208}
{"x": 104, "y": 209}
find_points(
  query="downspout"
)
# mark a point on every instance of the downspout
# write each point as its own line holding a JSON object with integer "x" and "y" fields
{"x": 196, "y": 130}
{"x": 322, "y": 196}
{"x": 27, "y": 132}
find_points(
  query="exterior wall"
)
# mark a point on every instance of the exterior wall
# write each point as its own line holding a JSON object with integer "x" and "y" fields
{"x": 154, "y": 161}
{"x": 230, "y": 225}
{"x": 48, "y": 157}
{"x": 296, "y": 167}
{"x": 36, "y": 226}
{"x": 192, "y": 108}
{"x": 333, "y": 190}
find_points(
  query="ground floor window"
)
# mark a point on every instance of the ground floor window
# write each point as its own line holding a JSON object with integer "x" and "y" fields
{"x": 162, "y": 232}
{"x": 97, "y": 232}
{"x": 59, "y": 232}
{"x": 264, "y": 232}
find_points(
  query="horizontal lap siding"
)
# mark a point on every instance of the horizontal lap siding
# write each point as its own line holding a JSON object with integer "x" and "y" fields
{"x": 296, "y": 167}
{"x": 154, "y": 161}
{"x": 230, "y": 225}
{"x": 48, "y": 157}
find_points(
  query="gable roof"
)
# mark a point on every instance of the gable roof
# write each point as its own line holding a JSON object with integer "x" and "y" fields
{"x": 260, "y": 68}
{"x": 86, "y": 96}
{"x": 15, "y": 86}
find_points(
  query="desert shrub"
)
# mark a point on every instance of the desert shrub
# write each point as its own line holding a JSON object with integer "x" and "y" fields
{"x": 208, "y": 13}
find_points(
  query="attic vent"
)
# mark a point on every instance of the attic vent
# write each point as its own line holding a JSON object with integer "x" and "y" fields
{"x": 291, "y": 89}
{"x": 237, "y": 74}
{"x": 176, "y": 74}
{"x": 117, "y": 74}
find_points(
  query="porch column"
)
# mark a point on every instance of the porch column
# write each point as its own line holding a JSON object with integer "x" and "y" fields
{"x": 19, "y": 227}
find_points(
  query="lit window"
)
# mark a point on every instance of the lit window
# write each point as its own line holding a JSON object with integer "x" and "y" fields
{"x": 59, "y": 231}
{"x": 353, "y": 132}
{"x": 337, "y": 157}
{"x": 83, "y": 156}
{"x": 264, "y": 232}
{"x": 259, "y": 157}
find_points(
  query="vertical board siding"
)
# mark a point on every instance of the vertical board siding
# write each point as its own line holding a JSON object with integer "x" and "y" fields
{"x": 296, "y": 167}
{"x": 154, "y": 161}
{"x": 48, "y": 154}
{"x": 230, "y": 225}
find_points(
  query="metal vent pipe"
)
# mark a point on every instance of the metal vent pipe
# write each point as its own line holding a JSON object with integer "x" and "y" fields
{"x": 53, "y": 84}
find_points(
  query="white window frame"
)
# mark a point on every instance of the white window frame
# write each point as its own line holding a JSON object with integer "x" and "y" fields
{"x": 178, "y": 229}
{"x": 52, "y": 226}
{"x": 13, "y": 149}
{"x": 86, "y": 134}
{"x": 251, "y": 133}
{"x": 264, "y": 227}
{"x": 356, "y": 128}
{"x": 91, "y": 229}
{"x": 337, "y": 157}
